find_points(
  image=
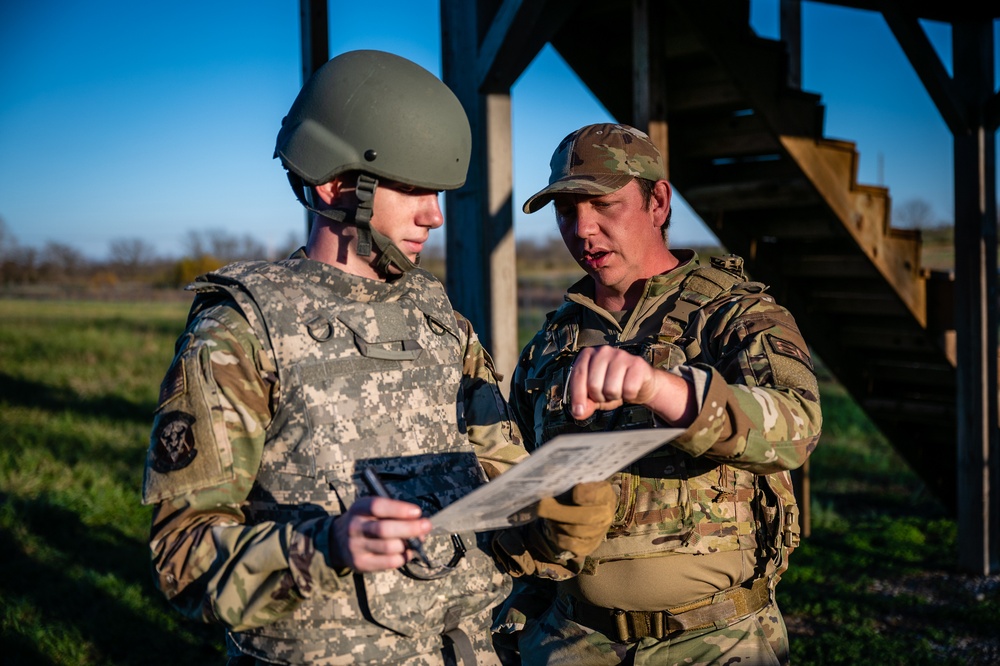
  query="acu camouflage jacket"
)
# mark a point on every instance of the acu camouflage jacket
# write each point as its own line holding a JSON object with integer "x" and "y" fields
{"x": 723, "y": 485}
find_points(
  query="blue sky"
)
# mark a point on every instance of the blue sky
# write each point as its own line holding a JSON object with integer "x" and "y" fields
{"x": 121, "y": 119}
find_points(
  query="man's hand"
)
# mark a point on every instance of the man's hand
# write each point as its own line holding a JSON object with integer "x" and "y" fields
{"x": 574, "y": 523}
{"x": 369, "y": 536}
{"x": 569, "y": 527}
{"x": 603, "y": 378}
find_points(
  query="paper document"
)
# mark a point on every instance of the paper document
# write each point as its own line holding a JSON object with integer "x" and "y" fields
{"x": 553, "y": 468}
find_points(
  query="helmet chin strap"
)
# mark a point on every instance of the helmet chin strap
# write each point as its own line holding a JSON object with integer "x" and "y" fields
{"x": 390, "y": 256}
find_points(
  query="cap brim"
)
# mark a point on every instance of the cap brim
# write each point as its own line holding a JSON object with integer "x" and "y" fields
{"x": 585, "y": 185}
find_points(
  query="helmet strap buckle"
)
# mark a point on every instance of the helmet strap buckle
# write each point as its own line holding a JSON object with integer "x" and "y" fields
{"x": 365, "y": 193}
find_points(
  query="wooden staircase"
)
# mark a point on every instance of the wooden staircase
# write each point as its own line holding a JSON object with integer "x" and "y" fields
{"x": 748, "y": 154}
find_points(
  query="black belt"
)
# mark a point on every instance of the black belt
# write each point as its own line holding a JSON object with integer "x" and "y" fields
{"x": 628, "y": 626}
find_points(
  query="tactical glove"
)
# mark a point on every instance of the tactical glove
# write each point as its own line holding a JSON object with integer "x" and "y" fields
{"x": 568, "y": 528}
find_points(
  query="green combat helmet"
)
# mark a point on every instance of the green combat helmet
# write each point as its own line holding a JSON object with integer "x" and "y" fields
{"x": 382, "y": 116}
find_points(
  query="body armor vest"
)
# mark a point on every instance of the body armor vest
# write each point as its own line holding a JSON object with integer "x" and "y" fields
{"x": 668, "y": 501}
{"x": 369, "y": 376}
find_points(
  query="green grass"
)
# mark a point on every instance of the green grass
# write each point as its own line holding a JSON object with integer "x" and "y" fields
{"x": 875, "y": 583}
{"x": 78, "y": 385}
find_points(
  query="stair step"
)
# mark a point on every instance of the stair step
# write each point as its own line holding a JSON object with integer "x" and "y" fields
{"x": 730, "y": 134}
{"x": 749, "y": 195}
{"x": 898, "y": 339}
{"x": 803, "y": 225}
{"x": 705, "y": 172}
{"x": 912, "y": 374}
{"x": 680, "y": 47}
{"x": 895, "y": 409}
{"x": 853, "y": 303}
{"x": 835, "y": 266}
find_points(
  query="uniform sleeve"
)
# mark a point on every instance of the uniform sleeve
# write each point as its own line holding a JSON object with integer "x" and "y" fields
{"x": 757, "y": 389}
{"x": 205, "y": 449}
{"x": 491, "y": 429}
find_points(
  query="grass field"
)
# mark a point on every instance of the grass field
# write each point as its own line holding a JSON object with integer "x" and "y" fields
{"x": 875, "y": 583}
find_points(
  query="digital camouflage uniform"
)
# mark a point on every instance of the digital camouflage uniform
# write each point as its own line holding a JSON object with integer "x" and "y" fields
{"x": 723, "y": 485}
{"x": 290, "y": 379}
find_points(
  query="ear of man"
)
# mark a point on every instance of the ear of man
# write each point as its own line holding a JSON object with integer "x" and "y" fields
{"x": 330, "y": 191}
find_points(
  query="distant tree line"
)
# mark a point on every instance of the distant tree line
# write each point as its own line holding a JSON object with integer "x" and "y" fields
{"x": 135, "y": 262}
{"x": 130, "y": 261}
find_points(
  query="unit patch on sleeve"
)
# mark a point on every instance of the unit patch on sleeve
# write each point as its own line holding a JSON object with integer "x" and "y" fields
{"x": 173, "y": 442}
{"x": 789, "y": 349}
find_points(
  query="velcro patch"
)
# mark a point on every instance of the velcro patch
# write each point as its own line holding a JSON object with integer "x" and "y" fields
{"x": 789, "y": 349}
{"x": 173, "y": 442}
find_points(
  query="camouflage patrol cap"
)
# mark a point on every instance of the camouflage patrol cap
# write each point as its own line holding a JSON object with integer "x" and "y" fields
{"x": 599, "y": 159}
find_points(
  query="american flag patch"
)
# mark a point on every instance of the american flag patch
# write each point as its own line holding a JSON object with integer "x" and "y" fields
{"x": 174, "y": 384}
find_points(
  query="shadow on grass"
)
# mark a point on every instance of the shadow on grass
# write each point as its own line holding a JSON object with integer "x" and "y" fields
{"x": 16, "y": 391}
{"x": 877, "y": 581}
{"x": 67, "y": 577}
{"x": 70, "y": 427}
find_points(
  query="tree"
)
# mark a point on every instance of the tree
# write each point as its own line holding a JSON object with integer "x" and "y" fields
{"x": 7, "y": 241}
{"x": 915, "y": 214}
{"x": 59, "y": 260}
{"x": 17, "y": 265}
{"x": 223, "y": 246}
{"x": 129, "y": 255}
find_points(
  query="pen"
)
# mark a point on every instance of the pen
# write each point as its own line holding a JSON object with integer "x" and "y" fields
{"x": 413, "y": 543}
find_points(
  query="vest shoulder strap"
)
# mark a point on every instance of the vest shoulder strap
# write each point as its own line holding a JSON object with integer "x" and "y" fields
{"x": 706, "y": 283}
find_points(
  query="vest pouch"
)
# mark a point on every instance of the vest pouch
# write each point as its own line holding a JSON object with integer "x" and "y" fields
{"x": 383, "y": 331}
{"x": 430, "y": 480}
{"x": 554, "y": 419}
{"x": 674, "y": 502}
{"x": 666, "y": 355}
{"x": 653, "y": 513}
{"x": 403, "y": 603}
{"x": 778, "y": 515}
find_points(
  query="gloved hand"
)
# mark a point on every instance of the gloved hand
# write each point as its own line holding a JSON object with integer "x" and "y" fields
{"x": 569, "y": 527}
{"x": 574, "y": 523}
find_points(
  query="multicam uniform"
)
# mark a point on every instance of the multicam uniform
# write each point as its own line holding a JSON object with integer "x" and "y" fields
{"x": 704, "y": 525}
{"x": 291, "y": 378}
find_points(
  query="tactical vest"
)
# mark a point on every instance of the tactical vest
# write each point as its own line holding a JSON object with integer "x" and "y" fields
{"x": 369, "y": 375}
{"x": 669, "y": 501}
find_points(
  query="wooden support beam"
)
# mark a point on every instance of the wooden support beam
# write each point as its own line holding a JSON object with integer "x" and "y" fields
{"x": 641, "y": 83}
{"x": 480, "y": 263}
{"x": 515, "y": 36}
{"x": 314, "y": 32}
{"x": 790, "y": 25}
{"x": 976, "y": 304}
{"x": 928, "y": 66}
{"x": 649, "y": 97}
{"x": 993, "y": 112}
{"x": 500, "y": 235}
